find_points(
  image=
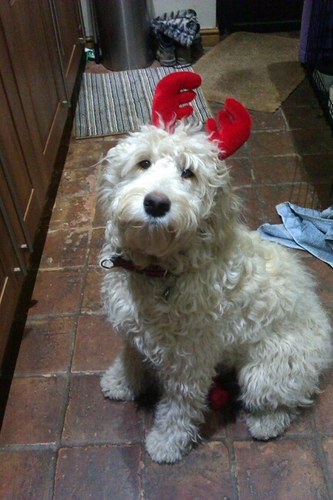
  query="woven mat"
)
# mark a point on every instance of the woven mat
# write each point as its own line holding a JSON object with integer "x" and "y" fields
{"x": 114, "y": 103}
{"x": 259, "y": 70}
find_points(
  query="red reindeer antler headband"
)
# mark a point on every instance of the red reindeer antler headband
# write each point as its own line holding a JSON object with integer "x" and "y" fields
{"x": 171, "y": 103}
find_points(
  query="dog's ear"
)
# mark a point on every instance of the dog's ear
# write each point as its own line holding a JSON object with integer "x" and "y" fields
{"x": 234, "y": 127}
{"x": 171, "y": 98}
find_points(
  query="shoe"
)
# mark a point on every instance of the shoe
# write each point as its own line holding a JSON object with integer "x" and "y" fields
{"x": 197, "y": 48}
{"x": 165, "y": 53}
{"x": 183, "y": 55}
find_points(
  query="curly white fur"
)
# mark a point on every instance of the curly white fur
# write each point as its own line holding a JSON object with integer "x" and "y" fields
{"x": 236, "y": 300}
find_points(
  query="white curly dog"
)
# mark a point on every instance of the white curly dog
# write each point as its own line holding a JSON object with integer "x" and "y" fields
{"x": 193, "y": 291}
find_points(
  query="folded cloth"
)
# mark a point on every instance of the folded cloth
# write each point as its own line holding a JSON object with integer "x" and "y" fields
{"x": 304, "y": 229}
{"x": 182, "y": 27}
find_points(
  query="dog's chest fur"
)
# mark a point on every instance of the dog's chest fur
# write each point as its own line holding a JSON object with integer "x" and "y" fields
{"x": 223, "y": 304}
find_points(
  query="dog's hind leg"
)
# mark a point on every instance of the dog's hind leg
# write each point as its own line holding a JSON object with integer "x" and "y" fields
{"x": 124, "y": 379}
{"x": 264, "y": 425}
{"x": 278, "y": 376}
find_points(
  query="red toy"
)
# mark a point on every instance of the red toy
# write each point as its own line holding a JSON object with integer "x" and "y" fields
{"x": 171, "y": 103}
{"x": 218, "y": 396}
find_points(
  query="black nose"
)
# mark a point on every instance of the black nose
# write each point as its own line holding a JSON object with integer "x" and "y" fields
{"x": 156, "y": 204}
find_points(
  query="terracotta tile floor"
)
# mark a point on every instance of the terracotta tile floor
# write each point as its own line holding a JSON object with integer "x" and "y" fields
{"x": 62, "y": 440}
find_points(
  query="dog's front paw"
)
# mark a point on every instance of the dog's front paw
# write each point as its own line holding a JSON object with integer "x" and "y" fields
{"x": 266, "y": 425}
{"x": 115, "y": 386}
{"x": 165, "y": 448}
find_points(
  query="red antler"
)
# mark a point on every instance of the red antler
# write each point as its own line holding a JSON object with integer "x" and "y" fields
{"x": 235, "y": 127}
{"x": 171, "y": 103}
{"x": 171, "y": 93}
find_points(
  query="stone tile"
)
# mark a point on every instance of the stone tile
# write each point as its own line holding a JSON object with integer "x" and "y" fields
{"x": 308, "y": 141}
{"x": 325, "y": 194}
{"x": 240, "y": 171}
{"x": 268, "y": 143}
{"x": 327, "y": 443}
{"x": 251, "y": 213}
{"x": 215, "y": 425}
{"x": 303, "y": 425}
{"x": 46, "y": 346}
{"x": 27, "y": 474}
{"x": 96, "y": 244}
{"x": 301, "y": 117}
{"x": 238, "y": 429}
{"x": 277, "y": 170}
{"x": 303, "y": 194}
{"x": 76, "y": 199}
{"x": 242, "y": 152}
{"x": 110, "y": 141}
{"x": 272, "y": 195}
{"x": 92, "y": 291}
{"x": 99, "y": 217}
{"x": 324, "y": 407}
{"x": 77, "y": 183}
{"x": 56, "y": 292}
{"x": 96, "y": 344}
{"x": 303, "y": 95}
{"x": 92, "y": 67}
{"x": 268, "y": 121}
{"x": 204, "y": 474}
{"x": 93, "y": 419}
{"x": 73, "y": 212}
{"x": 98, "y": 473}
{"x": 318, "y": 166}
{"x": 84, "y": 153}
{"x": 324, "y": 278}
{"x": 33, "y": 411}
{"x": 65, "y": 248}
{"x": 279, "y": 469}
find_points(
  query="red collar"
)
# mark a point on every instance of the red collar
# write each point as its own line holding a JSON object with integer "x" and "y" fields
{"x": 110, "y": 262}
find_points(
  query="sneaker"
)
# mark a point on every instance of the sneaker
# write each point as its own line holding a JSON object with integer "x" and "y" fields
{"x": 165, "y": 53}
{"x": 197, "y": 48}
{"x": 183, "y": 55}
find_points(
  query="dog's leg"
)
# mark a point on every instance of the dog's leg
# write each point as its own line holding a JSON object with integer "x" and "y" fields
{"x": 177, "y": 418}
{"x": 125, "y": 378}
{"x": 264, "y": 425}
{"x": 277, "y": 378}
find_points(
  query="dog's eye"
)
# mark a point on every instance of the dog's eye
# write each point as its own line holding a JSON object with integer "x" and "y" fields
{"x": 187, "y": 173}
{"x": 144, "y": 164}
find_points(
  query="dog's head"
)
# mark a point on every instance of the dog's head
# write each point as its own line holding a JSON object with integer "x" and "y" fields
{"x": 166, "y": 190}
{"x": 160, "y": 191}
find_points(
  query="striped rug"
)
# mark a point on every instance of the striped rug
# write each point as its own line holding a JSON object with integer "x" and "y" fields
{"x": 114, "y": 103}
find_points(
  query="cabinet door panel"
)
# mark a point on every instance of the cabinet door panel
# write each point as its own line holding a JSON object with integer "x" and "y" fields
{"x": 67, "y": 18}
{"x": 11, "y": 105}
{"x": 10, "y": 284}
{"x": 40, "y": 82}
{"x": 16, "y": 186}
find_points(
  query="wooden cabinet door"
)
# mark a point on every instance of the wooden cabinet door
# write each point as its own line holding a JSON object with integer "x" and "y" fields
{"x": 39, "y": 81}
{"x": 69, "y": 27}
{"x": 40, "y": 55}
{"x": 11, "y": 280}
{"x": 16, "y": 185}
{"x": 15, "y": 243}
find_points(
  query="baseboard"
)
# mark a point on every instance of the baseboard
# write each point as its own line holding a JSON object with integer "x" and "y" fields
{"x": 210, "y": 36}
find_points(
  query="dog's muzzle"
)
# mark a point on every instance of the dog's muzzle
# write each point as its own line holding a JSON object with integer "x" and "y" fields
{"x": 156, "y": 204}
